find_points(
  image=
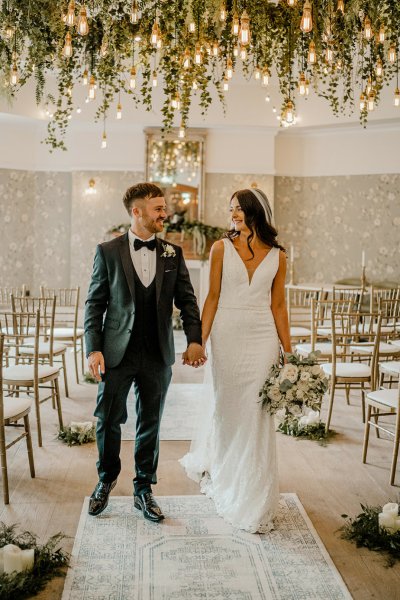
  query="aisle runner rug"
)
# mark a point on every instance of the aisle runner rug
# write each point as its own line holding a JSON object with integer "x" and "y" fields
{"x": 182, "y": 405}
{"x": 194, "y": 554}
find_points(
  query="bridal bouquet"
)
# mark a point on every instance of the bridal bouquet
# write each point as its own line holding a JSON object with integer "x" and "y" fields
{"x": 294, "y": 392}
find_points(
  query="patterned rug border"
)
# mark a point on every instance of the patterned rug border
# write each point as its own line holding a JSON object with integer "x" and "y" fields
{"x": 83, "y": 517}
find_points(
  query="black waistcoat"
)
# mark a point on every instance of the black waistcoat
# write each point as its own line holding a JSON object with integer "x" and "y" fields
{"x": 145, "y": 331}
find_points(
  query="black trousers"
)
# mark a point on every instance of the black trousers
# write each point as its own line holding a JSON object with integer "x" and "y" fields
{"x": 151, "y": 378}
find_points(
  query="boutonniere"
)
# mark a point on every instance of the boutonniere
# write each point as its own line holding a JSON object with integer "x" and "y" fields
{"x": 169, "y": 251}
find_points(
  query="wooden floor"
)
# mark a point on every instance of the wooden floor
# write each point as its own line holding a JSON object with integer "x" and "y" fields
{"x": 329, "y": 482}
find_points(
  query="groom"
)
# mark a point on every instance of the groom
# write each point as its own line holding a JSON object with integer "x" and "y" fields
{"x": 128, "y": 334}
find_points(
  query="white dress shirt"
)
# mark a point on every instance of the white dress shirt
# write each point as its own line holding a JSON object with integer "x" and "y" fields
{"x": 144, "y": 260}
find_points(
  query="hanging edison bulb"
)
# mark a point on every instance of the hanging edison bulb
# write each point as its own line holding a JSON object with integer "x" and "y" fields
{"x": 369, "y": 86}
{"x": 340, "y": 6}
{"x": 119, "y": 111}
{"x": 379, "y": 67}
{"x": 257, "y": 73}
{"x": 14, "y": 75}
{"x": 329, "y": 54}
{"x": 392, "y": 54}
{"x": 229, "y": 68}
{"x": 235, "y": 51}
{"x": 9, "y": 31}
{"x": 312, "y": 54}
{"x": 371, "y": 101}
{"x": 70, "y": 18}
{"x": 265, "y": 77}
{"x": 396, "y": 99}
{"x": 155, "y": 32}
{"x": 243, "y": 52}
{"x": 92, "y": 88}
{"x": 182, "y": 131}
{"x": 192, "y": 26}
{"x": 134, "y": 13}
{"x": 368, "y": 33}
{"x": 382, "y": 34}
{"x": 104, "y": 140}
{"x": 132, "y": 80}
{"x": 292, "y": 3}
{"x": 307, "y": 87}
{"x": 198, "y": 55}
{"x": 235, "y": 24}
{"x": 302, "y": 84}
{"x": 83, "y": 25}
{"x": 67, "y": 50}
{"x": 154, "y": 79}
{"x": 226, "y": 84}
{"x": 215, "y": 49}
{"x": 362, "y": 102}
{"x": 289, "y": 112}
{"x": 306, "y": 18}
{"x": 244, "y": 34}
{"x": 222, "y": 12}
{"x": 176, "y": 101}
{"x": 186, "y": 59}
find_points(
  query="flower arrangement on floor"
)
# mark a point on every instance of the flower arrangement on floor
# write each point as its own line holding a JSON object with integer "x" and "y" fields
{"x": 25, "y": 566}
{"x": 88, "y": 378}
{"x": 77, "y": 434}
{"x": 294, "y": 394}
{"x": 376, "y": 528}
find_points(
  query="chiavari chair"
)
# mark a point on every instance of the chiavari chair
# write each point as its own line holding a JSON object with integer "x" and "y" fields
{"x": 7, "y": 291}
{"x": 299, "y": 312}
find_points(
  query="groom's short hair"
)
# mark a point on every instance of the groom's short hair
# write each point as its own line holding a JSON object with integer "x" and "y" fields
{"x": 140, "y": 191}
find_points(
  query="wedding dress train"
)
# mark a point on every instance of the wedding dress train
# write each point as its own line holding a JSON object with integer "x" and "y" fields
{"x": 233, "y": 455}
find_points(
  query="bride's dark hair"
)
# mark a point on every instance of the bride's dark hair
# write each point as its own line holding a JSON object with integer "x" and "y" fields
{"x": 256, "y": 221}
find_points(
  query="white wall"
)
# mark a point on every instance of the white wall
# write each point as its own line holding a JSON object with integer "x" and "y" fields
{"x": 338, "y": 150}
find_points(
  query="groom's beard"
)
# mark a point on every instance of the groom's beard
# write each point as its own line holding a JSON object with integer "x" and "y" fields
{"x": 153, "y": 226}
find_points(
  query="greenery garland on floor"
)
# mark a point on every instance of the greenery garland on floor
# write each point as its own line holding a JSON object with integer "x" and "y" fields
{"x": 364, "y": 531}
{"x": 50, "y": 561}
{"x": 316, "y": 431}
{"x": 76, "y": 436}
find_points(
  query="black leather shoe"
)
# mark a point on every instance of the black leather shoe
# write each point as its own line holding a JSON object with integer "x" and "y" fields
{"x": 146, "y": 503}
{"x": 99, "y": 499}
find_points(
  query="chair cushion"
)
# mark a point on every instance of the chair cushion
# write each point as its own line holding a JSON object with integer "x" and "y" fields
{"x": 44, "y": 349}
{"x": 348, "y": 369}
{"x": 366, "y": 348}
{"x": 300, "y": 332}
{"x": 386, "y": 397}
{"x": 324, "y": 347}
{"x": 67, "y": 332}
{"x": 391, "y": 366}
{"x": 15, "y": 406}
{"x": 25, "y": 372}
{"x": 395, "y": 342}
{"x": 324, "y": 331}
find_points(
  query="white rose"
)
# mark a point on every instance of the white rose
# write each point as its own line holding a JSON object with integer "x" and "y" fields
{"x": 295, "y": 410}
{"x": 316, "y": 370}
{"x": 274, "y": 393}
{"x": 305, "y": 376}
{"x": 289, "y": 372}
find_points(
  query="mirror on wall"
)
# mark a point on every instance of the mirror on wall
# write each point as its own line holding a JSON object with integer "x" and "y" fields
{"x": 176, "y": 165}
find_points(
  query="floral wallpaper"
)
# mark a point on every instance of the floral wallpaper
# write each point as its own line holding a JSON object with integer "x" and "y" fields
{"x": 331, "y": 220}
{"x": 50, "y": 226}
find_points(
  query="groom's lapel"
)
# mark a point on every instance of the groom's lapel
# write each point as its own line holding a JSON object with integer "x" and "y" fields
{"x": 160, "y": 260}
{"x": 127, "y": 264}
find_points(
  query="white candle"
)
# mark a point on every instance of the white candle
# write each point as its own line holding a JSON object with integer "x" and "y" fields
{"x": 12, "y": 556}
{"x": 391, "y": 508}
{"x": 28, "y": 559}
{"x": 291, "y": 253}
{"x": 386, "y": 520}
{"x": 363, "y": 258}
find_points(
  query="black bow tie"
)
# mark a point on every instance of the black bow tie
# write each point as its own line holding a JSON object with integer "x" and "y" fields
{"x": 151, "y": 245}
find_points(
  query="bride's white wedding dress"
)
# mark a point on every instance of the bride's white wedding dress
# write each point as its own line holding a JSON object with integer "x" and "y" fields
{"x": 234, "y": 454}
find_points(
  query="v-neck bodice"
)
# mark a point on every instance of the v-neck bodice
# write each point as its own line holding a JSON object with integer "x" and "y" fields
{"x": 237, "y": 290}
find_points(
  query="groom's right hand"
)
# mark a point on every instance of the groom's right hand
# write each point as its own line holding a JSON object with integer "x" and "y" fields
{"x": 96, "y": 365}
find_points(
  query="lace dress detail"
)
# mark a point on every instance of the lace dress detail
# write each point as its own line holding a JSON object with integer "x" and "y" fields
{"x": 234, "y": 455}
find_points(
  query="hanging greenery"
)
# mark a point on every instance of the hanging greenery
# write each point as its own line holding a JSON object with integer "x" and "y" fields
{"x": 346, "y": 50}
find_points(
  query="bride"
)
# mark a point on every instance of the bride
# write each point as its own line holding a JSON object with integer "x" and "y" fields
{"x": 234, "y": 455}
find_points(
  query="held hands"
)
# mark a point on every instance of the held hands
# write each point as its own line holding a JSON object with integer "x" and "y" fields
{"x": 96, "y": 365}
{"x": 194, "y": 355}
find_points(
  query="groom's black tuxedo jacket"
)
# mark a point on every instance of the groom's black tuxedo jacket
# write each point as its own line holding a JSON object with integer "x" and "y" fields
{"x": 110, "y": 304}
